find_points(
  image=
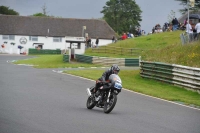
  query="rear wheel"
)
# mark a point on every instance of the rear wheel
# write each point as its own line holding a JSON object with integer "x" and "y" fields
{"x": 90, "y": 102}
{"x": 108, "y": 106}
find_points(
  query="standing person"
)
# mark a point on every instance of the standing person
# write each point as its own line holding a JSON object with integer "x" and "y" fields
{"x": 89, "y": 42}
{"x": 113, "y": 39}
{"x": 97, "y": 42}
{"x": 175, "y": 24}
{"x": 86, "y": 42}
{"x": 189, "y": 30}
{"x": 153, "y": 30}
{"x": 197, "y": 27}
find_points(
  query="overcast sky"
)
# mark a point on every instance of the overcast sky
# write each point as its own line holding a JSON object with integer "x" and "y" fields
{"x": 153, "y": 11}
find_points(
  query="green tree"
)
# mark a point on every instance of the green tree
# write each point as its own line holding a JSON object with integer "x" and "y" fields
{"x": 185, "y": 4}
{"x": 6, "y": 11}
{"x": 122, "y": 15}
{"x": 171, "y": 16}
{"x": 43, "y": 14}
{"x": 39, "y": 15}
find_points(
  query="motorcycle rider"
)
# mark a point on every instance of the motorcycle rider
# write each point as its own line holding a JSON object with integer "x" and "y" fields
{"x": 114, "y": 69}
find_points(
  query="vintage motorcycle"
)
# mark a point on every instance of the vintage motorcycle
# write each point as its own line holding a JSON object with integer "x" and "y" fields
{"x": 105, "y": 99}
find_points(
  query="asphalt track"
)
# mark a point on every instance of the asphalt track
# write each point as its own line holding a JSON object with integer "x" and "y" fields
{"x": 45, "y": 101}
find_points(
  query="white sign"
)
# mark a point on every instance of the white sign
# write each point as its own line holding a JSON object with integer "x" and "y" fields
{"x": 23, "y": 40}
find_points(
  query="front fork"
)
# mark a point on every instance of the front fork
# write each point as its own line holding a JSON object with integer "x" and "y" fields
{"x": 108, "y": 99}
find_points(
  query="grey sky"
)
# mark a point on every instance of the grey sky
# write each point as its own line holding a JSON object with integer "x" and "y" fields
{"x": 154, "y": 11}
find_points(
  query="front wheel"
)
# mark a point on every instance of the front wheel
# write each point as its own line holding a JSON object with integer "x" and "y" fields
{"x": 108, "y": 106}
{"x": 90, "y": 102}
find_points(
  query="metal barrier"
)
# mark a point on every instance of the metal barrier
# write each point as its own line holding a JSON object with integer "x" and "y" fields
{"x": 66, "y": 58}
{"x": 187, "y": 77}
{"x": 83, "y": 58}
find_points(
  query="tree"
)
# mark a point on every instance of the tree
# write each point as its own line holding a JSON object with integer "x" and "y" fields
{"x": 44, "y": 14}
{"x": 121, "y": 15}
{"x": 5, "y": 10}
{"x": 185, "y": 5}
{"x": 39, "y": 15}
{"x": 171, "y": 16}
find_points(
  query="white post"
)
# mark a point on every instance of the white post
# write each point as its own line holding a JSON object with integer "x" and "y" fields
{"x": 140, "y": 59}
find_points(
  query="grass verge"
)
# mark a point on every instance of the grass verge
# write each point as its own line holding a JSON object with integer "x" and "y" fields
{"x": 52, "y": 61}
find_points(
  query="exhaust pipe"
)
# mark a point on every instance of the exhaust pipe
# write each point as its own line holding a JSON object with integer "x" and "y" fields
{"x": 88, "y": 92}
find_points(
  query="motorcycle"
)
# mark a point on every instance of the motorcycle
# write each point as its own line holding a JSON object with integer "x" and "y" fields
{"x": 105, "y": 99}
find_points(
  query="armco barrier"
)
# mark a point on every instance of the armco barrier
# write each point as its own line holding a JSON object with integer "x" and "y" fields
{"x": 65, "y": 58}
{"x": 131, "y": 62}
{"x": 83, "y": 58}
{"x": 187, "y": 77}
{"x": 106, "y": 61}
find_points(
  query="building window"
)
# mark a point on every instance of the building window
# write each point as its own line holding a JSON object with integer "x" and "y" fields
{"x": 8, "y": 37}
{"x": 57, "y": 39}
{"x": 33, "y": 38}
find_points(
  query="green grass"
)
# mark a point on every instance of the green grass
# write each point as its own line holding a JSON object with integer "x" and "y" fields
{"x": 133, "y": 81}
{"x": 146, "y": 43}
{"x": 187, "y": 55}
{"x": 52, "y": 61}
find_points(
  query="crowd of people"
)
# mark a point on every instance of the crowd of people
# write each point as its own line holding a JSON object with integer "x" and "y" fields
{"x": 89, "y": 43}
{"x": 126, "y": 35}
{"x": 191, "y": 28}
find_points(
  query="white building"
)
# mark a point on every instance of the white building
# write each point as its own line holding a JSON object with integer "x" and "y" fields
{"x": 49, "y": 33}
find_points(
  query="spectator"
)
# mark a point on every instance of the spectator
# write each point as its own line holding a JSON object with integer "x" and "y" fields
{"x": 113, "y": 39}
{"x": 124, "y": 36}
{"x": 89, "y": 42}
{"x": 185, "y": 22}
{"x": 132, "y": 36}
{"x": 143, "y": 32}
{"x": 189, "y": 31}
{"x": 139, "y": 32}
{"x": 97, "y": 42}
{"x": 128, "y": 35}
{"x": 158, "y": 28}
{"x": 165, "y": 26}
{"x": 86, "y": 42}
{"x": 175, "y": 24}
{"x": 153, "y": 30}
{"x": 197, "y": 27}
